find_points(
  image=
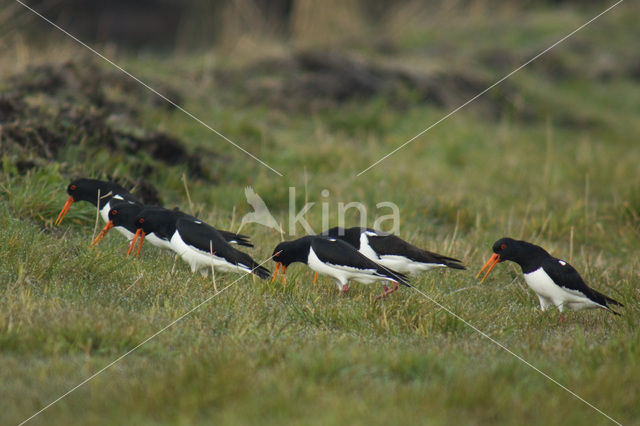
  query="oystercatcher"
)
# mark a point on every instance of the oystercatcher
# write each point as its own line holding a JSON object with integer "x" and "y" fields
{"x": 392, "y": 251}
{"x": 160, "y": 224}
{"x": 335, "y": 258}
{"x": 199, "y": 244}
{"x": 99, "y": 193}
{"x": 123, "y": 215}
{"x": 555, "y": 282}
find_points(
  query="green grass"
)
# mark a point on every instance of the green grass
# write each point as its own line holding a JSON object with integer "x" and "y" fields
{"x": 260, "y": 353}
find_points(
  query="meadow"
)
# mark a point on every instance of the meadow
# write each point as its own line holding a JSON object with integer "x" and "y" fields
{"x": 551, "y": 156}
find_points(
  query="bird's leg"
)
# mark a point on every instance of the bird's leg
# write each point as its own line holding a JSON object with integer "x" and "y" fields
{"x": 560, "y": 308}
{"x": 345, "y": 289}
{"x": 387, "y": 290}
{"x": 315, "y": 278}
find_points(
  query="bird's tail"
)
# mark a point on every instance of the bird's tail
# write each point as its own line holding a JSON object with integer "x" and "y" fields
{"x": 613, "y": 301}
{"x": 261, "y": 271}
{"x": 451, "y": 262}
{"x": 242, "y": 240}
{"x": 396, "y": 276}
{"x": 235, "y": 238}
{"x": 605, "y": 301}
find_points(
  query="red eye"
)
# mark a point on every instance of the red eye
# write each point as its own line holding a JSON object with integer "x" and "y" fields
{"x": 141, "y": 220}
{"x": 503, "y": 246}
{"x": 73, "y": 187}
{"x": 114, "y": 212}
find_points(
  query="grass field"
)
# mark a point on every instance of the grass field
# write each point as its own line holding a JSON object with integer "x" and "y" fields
{"x": 552, "y": 157}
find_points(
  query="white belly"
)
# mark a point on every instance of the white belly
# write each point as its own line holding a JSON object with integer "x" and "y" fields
{"x": 405, "y": 266}
{"x": 158, "y": 242}
{"x": 396, "y": 263}
{"x": 342, "y": 274}
{"x": 200, "y": 260}
{"x": 127, "y": 234}
{"x": 104, "y": 214}
{"x": 544, "y": 287}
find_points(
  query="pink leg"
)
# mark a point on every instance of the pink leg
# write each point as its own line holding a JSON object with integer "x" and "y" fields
{"x": 345, "y": 289}
{"x": 388, "y": 291}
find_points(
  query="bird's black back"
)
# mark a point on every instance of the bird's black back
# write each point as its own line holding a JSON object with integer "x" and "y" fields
{"x": 209, "y": 240}
{"x": 394, "y": 245}
{"x": 340, "y": 253}
{"x": 565, "y": 275}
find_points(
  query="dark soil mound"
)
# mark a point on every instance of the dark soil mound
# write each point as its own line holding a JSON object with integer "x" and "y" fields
{"x": 318, "y": 79}
{"x": 52, "y": 109}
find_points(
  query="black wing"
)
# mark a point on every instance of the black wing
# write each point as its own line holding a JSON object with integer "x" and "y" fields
{"x": 350, "y": 235}
{"x": 208, "y": 239}
{"x": 392, "y": 245}
{"x": 566, "y": 276}
{"x": 232, "y": 237}
{"x": 337, "y": 252}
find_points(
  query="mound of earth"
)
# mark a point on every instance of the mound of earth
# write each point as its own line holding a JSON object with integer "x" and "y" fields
{"x": 51, "y": 111}
{"x": 320, "y": 79}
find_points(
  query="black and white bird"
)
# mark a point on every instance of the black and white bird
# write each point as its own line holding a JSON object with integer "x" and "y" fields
{"x": 334, "y": 258}
{"x": 197, "y": 243}
{"x": 555, "y": 282}
{"x": 99, "y": 193}
{"x": 392, "y": 251}
{"x": 124, "y": 215}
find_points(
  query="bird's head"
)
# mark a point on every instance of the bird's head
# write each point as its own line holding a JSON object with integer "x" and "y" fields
{"x": 503, "y": 249}
{"x": 288, "y": 252}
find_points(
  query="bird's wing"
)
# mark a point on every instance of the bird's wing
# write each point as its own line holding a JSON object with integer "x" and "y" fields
{"x": 341, "y": 254}
{"x": 232, "y": 237}
{"x": 207, "y": 239}
{"x": 567, "y": 277}
{"x": 393, "y": 245}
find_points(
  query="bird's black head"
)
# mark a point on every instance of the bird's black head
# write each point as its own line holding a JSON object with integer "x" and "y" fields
{"x": 155, "y": 218}
{"x": 289, "y": 252}
{"x": 507, "y": 249}
{"x": 89, "y": 189}
{"x": 124, "y": 214}
{"x": 525, "y": 254}
{"x": 521, "y": 252}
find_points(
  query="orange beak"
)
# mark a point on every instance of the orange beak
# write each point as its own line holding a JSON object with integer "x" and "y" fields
{"x": 102, "y": 233}
{"x": 491, "y": 263}
{"x": 64, "y": 210}
{"x": 284, "y": 271}
{"x": 133, "y": 242}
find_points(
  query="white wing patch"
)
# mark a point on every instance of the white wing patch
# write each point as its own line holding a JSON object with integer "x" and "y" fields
{"x": 562, "y": 262}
